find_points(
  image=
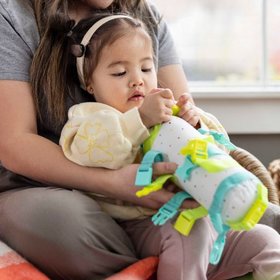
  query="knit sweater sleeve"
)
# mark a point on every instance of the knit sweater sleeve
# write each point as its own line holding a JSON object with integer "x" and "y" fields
{"x": 97, "y": 135}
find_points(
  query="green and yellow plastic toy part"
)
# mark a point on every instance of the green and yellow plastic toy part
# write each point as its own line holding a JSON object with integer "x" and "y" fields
{"x": 175, "y": 110}
{"x": 154, "y": 186}
{"x": 148, "y": 143}
{"x": 196, "y": 148}
{"x": 187, "y": 218}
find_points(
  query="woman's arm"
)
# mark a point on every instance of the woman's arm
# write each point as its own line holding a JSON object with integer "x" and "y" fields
{"x": 170, "y": 71}
{"x": 173, "y": 77}
{"x": 24, "y": 152}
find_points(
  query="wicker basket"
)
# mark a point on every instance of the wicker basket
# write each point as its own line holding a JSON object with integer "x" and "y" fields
{"x": 274, "y": 170}
{"x": 252, "y": 164}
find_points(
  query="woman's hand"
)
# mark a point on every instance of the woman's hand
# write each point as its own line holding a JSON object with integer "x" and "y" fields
{"x": 127, "y": 190}
{"x": 157, "y": 106}
{"x": 188, "y": 110}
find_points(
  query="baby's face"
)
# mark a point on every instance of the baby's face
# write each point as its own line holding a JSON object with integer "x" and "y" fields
{"x": 125, "y": 73}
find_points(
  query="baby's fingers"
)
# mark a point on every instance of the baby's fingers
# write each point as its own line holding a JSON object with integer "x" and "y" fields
{"x": 166, "y": 93}
{"x": 186, "y": 109}
{"x": 194, "y": 120}
{"x": 183, "y": 99}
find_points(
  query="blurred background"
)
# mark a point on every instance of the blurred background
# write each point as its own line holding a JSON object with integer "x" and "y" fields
{"x": 228, "y": 42}
{"x": 230, "y": 51}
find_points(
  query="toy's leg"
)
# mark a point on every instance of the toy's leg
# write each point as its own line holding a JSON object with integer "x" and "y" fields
{"x": 257, "y": 251}
{"x": 181, "y": 257}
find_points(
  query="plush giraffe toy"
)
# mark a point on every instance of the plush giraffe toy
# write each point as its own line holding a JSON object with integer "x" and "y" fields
{"x": 232, "y": 196}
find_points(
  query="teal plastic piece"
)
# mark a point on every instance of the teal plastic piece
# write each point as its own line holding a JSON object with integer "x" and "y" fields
{"x": 216, "y": 209}
{"x": 169, "y": 209}
{"x": 213, "y": 151}
{"x": 184, "y": 170}
{"x": 204, "y": 131}
{"x": 218, "y": 246}
{"x": 219, "y": 137}
{"x": 145, "y": 170}
{"x": 228, "y": 183}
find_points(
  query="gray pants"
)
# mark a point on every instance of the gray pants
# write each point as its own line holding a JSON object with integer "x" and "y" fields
{"x": 66, "y": 235}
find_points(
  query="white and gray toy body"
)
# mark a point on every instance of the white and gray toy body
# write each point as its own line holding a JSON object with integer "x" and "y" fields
{"x": 202, "y": 184}
{"x": 233, "y": 197}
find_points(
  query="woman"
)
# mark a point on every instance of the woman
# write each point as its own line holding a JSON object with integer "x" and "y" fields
{"x": 61, "y": 231}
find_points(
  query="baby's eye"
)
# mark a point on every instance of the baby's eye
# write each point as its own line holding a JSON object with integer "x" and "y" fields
{"x": 118, "y": 74}
{"x": 147, "y": 69}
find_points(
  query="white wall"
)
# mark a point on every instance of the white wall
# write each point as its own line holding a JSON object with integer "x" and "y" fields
{"x": 242, "y": 112}
{"x": 252, "y": 118}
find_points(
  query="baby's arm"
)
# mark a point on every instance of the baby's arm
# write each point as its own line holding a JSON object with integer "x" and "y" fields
{"x": 97, "y": 135}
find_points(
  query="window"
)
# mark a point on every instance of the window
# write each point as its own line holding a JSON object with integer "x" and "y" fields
{"x": 227, "y": 43}
{"x": 231, "y": 55}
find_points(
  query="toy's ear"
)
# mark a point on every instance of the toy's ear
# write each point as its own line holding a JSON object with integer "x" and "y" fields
{"x": 144, "y": 269}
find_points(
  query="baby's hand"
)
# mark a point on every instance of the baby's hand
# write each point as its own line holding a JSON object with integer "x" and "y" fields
{"x": 156, "y": 107}
{"x": 188, "y": 111}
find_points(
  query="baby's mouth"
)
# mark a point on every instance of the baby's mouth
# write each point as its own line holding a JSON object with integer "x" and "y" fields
{"x": 137, "y": 95}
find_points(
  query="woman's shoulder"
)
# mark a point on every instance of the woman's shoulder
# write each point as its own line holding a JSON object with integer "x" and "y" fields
{"x": 154, "y": 10}
{"x": 19, "y": 15}
{"x": 19, "y": 39}
{"x": 164, "y": 44}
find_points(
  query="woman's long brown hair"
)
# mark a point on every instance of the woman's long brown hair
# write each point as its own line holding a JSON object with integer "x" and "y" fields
{"x": 49, "y": 71}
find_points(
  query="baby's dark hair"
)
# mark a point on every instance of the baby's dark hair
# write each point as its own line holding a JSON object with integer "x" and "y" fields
{"x": 104, "y": 36}
{"x": 54, "y": 77}
{"x": 50, "y": 91}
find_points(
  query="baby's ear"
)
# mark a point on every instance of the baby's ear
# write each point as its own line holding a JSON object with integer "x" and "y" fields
{"x": 90, "y": 89}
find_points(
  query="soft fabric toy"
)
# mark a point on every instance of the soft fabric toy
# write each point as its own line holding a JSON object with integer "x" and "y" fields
{"x": 232, "y": 196}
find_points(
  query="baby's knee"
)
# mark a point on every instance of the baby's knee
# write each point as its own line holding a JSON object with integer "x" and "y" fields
{"x": 264, "y": 236}
{"x": 203, "y": 229}
{"x": 202, "y": 232}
